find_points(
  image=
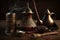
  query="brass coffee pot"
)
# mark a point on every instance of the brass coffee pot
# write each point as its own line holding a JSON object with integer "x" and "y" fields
{"x": 28, "y": 23}
{"x": 48, "y": 21}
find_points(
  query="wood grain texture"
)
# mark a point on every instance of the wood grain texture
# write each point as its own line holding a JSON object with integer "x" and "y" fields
{"x": 30, "y": 36}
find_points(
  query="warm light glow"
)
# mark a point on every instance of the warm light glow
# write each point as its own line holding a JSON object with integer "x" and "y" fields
{"x": 20, "y": 31}
{"x": 51, "y": 20}
{"x": 41, "y": 21}
{"x": 13, "y": 17}
{"x": 48, "y": 11}
{"x": 30, "y": 23}
{"x": 30, "y": 11}
{"x": 49, "y": 17}
{"x": 8, "y": 14}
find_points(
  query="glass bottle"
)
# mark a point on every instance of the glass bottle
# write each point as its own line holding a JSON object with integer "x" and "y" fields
{"x": 10, "y": 19}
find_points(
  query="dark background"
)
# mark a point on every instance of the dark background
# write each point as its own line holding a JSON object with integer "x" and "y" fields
{"x": 42, "y": 5}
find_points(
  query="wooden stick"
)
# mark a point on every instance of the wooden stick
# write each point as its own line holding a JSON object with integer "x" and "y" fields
{"x": 44, "y": 34}
{"x": 36, "y": 11}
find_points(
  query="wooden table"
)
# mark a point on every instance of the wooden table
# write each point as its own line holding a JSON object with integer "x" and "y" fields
{"x": 30, "y": 37}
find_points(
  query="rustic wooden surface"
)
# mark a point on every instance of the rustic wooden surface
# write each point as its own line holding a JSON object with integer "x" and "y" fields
{"x": 29, "y": 36}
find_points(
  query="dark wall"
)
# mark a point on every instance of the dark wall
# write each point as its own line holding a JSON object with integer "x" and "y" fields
{"x": 42, "y": 5}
